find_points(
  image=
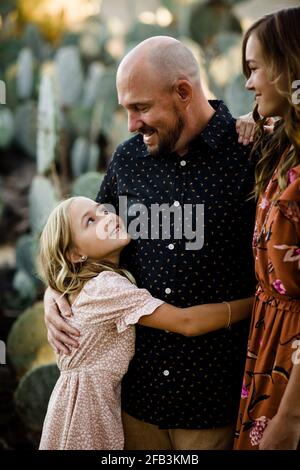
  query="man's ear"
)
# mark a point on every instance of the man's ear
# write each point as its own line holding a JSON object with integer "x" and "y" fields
{"x": 184, "y": 91}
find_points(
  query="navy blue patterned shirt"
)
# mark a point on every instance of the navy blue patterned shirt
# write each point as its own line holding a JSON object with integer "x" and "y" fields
{"x": 175, "y": 381}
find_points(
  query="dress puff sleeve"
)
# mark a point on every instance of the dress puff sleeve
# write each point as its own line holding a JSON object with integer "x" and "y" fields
{"x": 111, "y": 297}
{"x": 289, "y": 201}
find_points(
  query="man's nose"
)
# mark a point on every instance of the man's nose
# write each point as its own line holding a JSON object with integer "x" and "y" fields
{"x": 134, "y": 122}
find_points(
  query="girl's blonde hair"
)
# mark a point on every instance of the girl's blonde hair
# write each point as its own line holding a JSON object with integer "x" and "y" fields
{"x": 53, "y": 263}
{"x": 279, "y": 38}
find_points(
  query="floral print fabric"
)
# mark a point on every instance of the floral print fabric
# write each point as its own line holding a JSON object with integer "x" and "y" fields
{"x": 275, "y": 326}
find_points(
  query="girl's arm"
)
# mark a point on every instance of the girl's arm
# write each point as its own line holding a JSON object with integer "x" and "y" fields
{"x": 197, "y": 320}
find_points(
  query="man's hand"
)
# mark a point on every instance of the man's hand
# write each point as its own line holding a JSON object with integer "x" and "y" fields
{"x": 56, "y": 308}
{"x": 245, "y": 127}
{"x": 281, "y": 433}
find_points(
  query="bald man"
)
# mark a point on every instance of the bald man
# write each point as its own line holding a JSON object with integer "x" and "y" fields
{"x": 179, "y": 393}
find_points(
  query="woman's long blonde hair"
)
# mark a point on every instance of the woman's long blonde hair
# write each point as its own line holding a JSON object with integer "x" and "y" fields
{"x": 279, "y": 37}
{"x": 53, "y": 263}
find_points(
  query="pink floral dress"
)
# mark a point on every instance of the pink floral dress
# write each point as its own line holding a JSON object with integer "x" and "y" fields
{"x": 84, "y": 410}
{"x": 275, "y": 327}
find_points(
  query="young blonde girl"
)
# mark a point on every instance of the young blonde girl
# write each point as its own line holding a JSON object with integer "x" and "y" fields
{"x": 269, "y": 415}
{"x": 79, "y": 255}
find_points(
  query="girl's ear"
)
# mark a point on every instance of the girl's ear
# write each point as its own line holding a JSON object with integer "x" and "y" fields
{"x": 73, "y": 256}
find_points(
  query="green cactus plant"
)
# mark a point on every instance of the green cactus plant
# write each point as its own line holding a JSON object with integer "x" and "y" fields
{"x": 93, "y": 84}
{"x": 209, "y": 19}
{"x": 87, "y": 185}
{"x": 25, "y": 73}
{"x": 26, "y": 127}
{"x": 26, "y": 250}
{"x": 93, "y": 157}
{"x": 42, "y": 200}
{"x": 6, "y": 127}
{"x": 46, "y": 132}
{"x": 78, "y": 120}
{"x": 25, "y": 287}
{"x": 32, "y": 39}
{"x": 33, "y": 393}
{"x": 27, "y": 345}
{"x": 69, "y": 75}
{"x": 84, "y": 157}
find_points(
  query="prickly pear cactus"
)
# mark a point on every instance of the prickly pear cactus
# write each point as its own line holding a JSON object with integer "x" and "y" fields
{"x": 25, "y": 73}
{"x": 33, "y": 393}
{"x": 6, "y": 127}
{"x": 88, "y": 185}
{"x": 46, "y": 134}
{"x": 25, "y": 287}
{"x": 26, "y": 126}
{"x": 92, "y": 84}
{"x": 27, "y": 345}
{"x": 79, "y": 156}
{"x": 25, "y": 254}
{"x": 84, "y": 157}
{"x": 42, "y": 200}
{"x": 69, "y": 75}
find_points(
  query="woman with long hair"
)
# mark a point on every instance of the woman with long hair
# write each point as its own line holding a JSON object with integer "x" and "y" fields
{"x": 269, "y": 414}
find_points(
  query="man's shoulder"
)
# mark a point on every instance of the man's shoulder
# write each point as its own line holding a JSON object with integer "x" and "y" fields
{"x": 134, "y": 146}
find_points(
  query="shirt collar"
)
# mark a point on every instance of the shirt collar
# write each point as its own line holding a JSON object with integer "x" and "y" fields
{"x": 217, "y": 127}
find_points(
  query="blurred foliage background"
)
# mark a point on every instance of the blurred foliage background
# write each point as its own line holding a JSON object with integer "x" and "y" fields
{"x": 59, "y": 123}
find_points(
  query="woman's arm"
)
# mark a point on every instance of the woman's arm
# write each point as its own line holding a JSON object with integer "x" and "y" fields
{"x": 197, "y": 320}
{"x": 283, "y": 430}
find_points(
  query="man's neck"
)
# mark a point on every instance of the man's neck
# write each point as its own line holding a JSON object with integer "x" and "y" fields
{"x": 195, "y": 124}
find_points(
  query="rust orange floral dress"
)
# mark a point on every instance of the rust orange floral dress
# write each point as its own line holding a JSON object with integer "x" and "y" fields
{"x": 274, "y": 338}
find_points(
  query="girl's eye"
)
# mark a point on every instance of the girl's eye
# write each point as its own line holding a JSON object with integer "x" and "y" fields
{"x": 88, "y": 221}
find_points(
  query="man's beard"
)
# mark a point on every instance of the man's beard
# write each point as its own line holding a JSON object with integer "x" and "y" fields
{"x": 167, "y": 143}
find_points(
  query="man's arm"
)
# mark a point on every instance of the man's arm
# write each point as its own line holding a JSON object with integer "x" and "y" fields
{"x": 57, "y": 307}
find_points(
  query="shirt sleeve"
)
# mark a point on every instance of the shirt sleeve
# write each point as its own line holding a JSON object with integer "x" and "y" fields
{"x": 111, "y": 297}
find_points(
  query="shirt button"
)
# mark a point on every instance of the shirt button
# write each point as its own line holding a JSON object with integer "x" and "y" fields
{"x": 176, "y": 203}
{"x": 171, "y": 246}
{"x": 168, "y": 290}
{"x": 183, "y": 163}
{"x": 166, "y": 373}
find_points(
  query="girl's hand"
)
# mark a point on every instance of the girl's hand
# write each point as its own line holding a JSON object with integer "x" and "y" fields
{"x": 281, "y": 433}
{"x": 56, "y": 307}
{"x": 245, "y": 127}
